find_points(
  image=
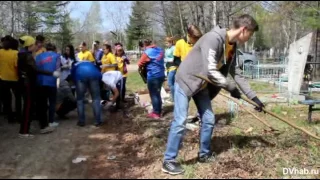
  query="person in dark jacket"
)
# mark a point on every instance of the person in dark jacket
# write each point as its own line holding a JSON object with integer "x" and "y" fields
{"x": 66, "y": 101}
{"x": 27, "y": 73}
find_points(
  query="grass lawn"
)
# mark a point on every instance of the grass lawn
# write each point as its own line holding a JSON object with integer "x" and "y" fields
{"x": 135, "y": 83}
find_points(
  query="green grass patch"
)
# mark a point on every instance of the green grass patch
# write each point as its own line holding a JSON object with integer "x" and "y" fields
{"x": 263, "y": 86}
{"x": 189, "y": 171}
{"x": 134, "y": 82}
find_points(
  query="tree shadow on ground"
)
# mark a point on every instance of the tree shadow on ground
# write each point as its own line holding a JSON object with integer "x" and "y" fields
{"x": 220, "y": 144}
{"x": 127, "y": 139}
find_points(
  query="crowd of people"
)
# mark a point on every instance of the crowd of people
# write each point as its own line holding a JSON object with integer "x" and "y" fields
{"x": 32, "y": 72}
{"x": 45, "y": 83}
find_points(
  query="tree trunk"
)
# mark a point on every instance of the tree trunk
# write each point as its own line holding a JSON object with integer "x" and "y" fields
{"x": 203, "y": 17}
{"x": 12, "y": 17}
{"x": 193, "y": 14}
{"x": 181, "y": 21}
{"x": 214, "y": 13}
{"x": 167, "y": 22}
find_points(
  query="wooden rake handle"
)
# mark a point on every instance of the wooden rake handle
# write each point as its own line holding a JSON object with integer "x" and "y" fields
{"x": 266, "y": 111}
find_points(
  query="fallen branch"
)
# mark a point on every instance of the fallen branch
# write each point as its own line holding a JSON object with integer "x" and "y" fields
{"x": 267, "y": 111}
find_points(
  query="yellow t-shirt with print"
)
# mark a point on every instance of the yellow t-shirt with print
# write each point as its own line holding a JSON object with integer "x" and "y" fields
{"x": 182, "y": 49}
{"x": 108, "y": 59}
{"x": 120, "y": 66}
{"x": 8, "y": 64}
{"x": 41, "y": 50}
{"x": 87, "y": 55}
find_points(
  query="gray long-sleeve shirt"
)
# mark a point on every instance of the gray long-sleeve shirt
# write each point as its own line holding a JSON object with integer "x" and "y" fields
{"x": 203, "y": 59}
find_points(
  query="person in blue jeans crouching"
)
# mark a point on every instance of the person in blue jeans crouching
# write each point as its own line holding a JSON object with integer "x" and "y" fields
{"x": 87, "y": 76}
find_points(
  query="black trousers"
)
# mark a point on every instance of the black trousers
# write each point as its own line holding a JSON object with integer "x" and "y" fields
{"x": 45, "y": 94}
{"x": 66, "y": 106}
{"x": 28, "y": 94}
{"x": 6, "y": 87}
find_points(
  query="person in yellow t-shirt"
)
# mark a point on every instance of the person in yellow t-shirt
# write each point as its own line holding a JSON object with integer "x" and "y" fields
{"x": 184, "y": 46}
{"x": 108, "y": 60}
{"x": 84, "y": 54}
{"x": 122, "y": 61}
{"x": 9, "y": 78}
{"x": 40, "y": 45}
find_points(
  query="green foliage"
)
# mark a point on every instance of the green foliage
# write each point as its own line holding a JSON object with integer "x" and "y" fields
{"x": 262, "y": 17}
{"x": 64, "y": 36}
{"x": 41, "y": 14}
{"x": 310, "y": 17}
{"x": 139, "y": 25}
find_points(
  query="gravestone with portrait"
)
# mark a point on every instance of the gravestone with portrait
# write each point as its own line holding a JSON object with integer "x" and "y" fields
{"x": 298, "y": 53}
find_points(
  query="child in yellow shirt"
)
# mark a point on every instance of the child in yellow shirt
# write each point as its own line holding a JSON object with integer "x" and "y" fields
{"x": 108, "y": 60}
{"x": 122, "y": 61}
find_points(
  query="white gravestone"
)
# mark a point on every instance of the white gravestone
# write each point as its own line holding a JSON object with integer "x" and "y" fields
{"x": 298, "y": 53}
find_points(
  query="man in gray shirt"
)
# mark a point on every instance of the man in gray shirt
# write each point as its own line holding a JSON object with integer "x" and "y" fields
{"x": 213, "y": 56}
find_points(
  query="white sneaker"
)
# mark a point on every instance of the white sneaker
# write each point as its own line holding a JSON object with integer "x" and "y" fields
{"x": 47, "y": 130}
{"x": 54, "y": 124}
{"x": 26, "y": 136}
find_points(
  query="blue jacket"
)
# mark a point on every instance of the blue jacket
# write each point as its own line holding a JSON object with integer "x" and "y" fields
{"x": 47, "y": 61}
{"x": 84, "y": 70}
{"x": 98, "y": 56}
{"x": 155, "y": 67}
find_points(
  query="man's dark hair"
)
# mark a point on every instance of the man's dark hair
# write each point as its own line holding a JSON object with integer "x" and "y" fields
{"x": 8, "y": 42}
{"x": 108, "y": 46}
{"x": 40, "y": 38}
{"x": 84, "y": 44}
{"x": 72, "y": 53}
{"x": 118, "y": 43}
{"x": 50, "y": 47}
{"x": 14, "y": 44}
{"x": 97, "y": 42}
{"x": 147, "y": 42}
{"x": 246, "y": 20}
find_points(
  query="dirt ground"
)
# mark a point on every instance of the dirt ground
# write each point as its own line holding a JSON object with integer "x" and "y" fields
{"x": 133, "y": 148}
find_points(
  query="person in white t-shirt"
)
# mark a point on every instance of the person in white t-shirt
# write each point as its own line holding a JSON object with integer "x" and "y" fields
{"x": 113, "y": 80}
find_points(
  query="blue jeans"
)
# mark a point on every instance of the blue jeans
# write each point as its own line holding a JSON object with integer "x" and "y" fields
{"x": 171, "y": 79}
{"x": 178, "y": 126}
{"x": 154, "y": 86}
{"x": 94, "y": 89}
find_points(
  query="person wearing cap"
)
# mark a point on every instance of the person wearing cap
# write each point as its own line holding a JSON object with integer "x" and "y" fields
{"x": 122, "y": 61}
{"x": 27, "y": 73}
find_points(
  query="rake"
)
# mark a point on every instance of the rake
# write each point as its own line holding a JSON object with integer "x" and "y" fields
{"x": 265, "y": 110}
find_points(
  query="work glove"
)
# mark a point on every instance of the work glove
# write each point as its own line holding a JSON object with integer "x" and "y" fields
{"x": 234, "y": 91}
{"x": 56, "y": 74}
{"x": 259, "y": 103}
